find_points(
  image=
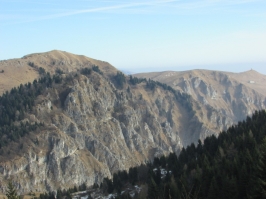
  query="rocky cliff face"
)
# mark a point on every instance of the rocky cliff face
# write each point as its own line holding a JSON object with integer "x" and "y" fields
{"x": 225, "y": 98}
{"x": 93, "y": 129}
{"x": 27, "y": 68}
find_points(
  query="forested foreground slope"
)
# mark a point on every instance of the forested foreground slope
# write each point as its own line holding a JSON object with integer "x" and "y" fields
{"x": 82, "y": 120}
{"x": 232, "y": 165}
{"x": 232, "y": 95}
{"x": 72, "y": 128}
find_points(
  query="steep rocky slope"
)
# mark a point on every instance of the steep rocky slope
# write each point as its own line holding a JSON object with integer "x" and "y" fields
{"x": 92, "y": 129}
{"x": 94, "y": 126}
{"x": 232, "y": 95}
{"x": 95, "y": 131}
{"x": 14, "y": 72}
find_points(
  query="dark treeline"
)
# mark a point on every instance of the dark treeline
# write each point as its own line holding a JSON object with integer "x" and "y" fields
{"x": 183, "y": 98}
{"x": 120, "y": 79}
{"x": 232, "y": 165}
{"x": 135, "y": 80}
{"x": 21, "y": 100}
{"x": 88, "y": 71}
{"x": 17, "y": 102}
{"x": 63, "y": 194}
{"x": 97, "y": 69}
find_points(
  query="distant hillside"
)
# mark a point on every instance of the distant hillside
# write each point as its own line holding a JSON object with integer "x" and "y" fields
{"x": 68, "y": 120}
{"x": 232, "y": 165}
{"x": 232, "y": 95}
{"x": 26, "y": 69}
{"x": 78, "y": 123}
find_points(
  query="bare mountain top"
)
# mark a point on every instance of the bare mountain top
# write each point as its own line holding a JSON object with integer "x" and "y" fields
{"x": 80, "y": 126}
{"x": 23, "y": 70}
{"x": 251, "y": 78}
{"x": 233, "y": 94}
{"x": 86, "y": 128}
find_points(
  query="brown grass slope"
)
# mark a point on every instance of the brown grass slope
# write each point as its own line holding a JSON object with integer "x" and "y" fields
{"x": 173, "y": 77}
{"x": 233, "y": 94}
{"x": 93, "y": 128}
{"x": 18, "y": 71}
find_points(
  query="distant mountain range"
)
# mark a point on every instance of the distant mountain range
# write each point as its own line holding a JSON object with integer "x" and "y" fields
{"x": 80, "y": 119}
{"x": 226, "y": 97}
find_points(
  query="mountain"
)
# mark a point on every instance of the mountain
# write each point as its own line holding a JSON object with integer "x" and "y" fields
{"x": 20, "y": 71}
{"x": 232, "y": 95}
{"x": 232, "y": 165}
{"x": 80, "y": 120}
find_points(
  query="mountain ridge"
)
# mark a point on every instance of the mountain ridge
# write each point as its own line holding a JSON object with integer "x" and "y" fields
{"x": 91, "y": 120}
{"x": 23, "y": 70}
{"x": 235, "y": 95}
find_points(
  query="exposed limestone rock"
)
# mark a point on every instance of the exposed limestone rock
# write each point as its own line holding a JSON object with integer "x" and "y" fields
{"x": 93, "y": 129}
{"x": 97, "y": 131}
{"x": 187, "y": 88}
{"x": 224, "y": 98}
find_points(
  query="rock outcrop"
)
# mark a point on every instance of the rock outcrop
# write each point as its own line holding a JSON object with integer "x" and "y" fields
{"x": 93, "y": 128}
{"x": 225, "y": 98}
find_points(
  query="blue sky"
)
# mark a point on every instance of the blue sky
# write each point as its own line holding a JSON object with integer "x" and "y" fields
{"x": 146, "y": 35}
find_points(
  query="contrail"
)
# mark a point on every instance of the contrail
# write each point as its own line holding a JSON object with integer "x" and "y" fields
{"x": 116, "y": 7}
{"x": 182, "y": 5}
{"x": 99, "y": 9}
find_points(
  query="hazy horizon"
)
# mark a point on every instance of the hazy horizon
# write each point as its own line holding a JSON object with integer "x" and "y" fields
{"x": 235, "y": 68}
{"x": 141, "y": 35}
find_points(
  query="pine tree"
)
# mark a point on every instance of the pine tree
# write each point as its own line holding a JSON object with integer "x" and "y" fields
{"x": 213, "y": 190}
{"x": 174, "y": 191}
{"x": 11, "y": 191}
{"x": 153, "y": 191}
{"x": 261, "y": 178}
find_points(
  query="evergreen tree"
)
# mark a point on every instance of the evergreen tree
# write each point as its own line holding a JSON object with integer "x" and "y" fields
{"x": 120, "y": 79}
{"x": 11, "y": 191}
{"x": 261, "y": 177}
{"x": 153, "y": 190}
